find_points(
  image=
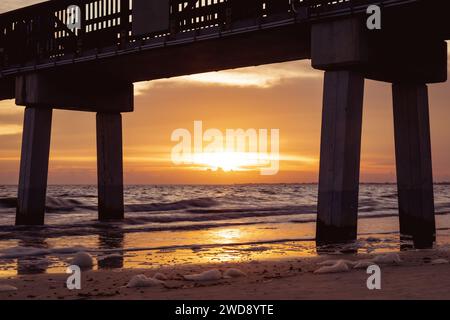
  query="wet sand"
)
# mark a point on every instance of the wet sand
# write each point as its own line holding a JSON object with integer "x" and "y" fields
{"x": 413, "y": 278}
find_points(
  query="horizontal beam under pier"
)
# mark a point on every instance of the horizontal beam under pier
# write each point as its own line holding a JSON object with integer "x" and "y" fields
{"x": 81, "y": 91}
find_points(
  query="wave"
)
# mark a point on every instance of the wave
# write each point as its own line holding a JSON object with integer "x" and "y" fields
{"x": 9, "y": 202}
{"x": 171, "y": 206}
{"x": 201, "y": 206}
{"x": 112, "y": 229}
{"x": 64, "y": 205}
{"x": 52, "y": 204}
{"x": 273, "y": 209}
{"x": 104, "y": 229}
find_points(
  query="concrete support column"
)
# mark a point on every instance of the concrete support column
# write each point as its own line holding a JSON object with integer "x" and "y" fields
{"x": 340, "y": 48}
{"x": 413, "y": 159}
{"x": 340, "y": 157}
{"x": 34, "y": 166}
{"x": 110, "y": 166}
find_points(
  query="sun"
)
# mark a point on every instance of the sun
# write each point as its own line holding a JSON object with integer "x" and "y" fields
{"x": 228, "y": 161}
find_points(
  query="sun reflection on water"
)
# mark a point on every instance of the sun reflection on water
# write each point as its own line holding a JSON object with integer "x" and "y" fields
{"x": 226, "y": 236}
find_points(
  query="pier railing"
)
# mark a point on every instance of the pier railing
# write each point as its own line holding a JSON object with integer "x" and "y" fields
{"x": 40, "y": 33}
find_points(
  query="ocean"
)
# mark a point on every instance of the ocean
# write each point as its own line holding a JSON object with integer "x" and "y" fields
{"x": 182, "y": 224}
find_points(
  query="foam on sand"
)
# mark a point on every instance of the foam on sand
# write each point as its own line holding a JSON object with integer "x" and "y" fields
{"x": 83, "y": 260}
{"x": 19, "y": 252}
{"x": 160, "y": 276}
{"x": 363, "y": 264}
{"x": 141, "y": 281}
{"x": 339, "y": 266}
{"x": 234, "y": 273}
{"x": 439, "y": 261}
{"x": 24, "y": 252}
{"x": 7, "y": 288}
{"x": 333, "y": 262}
{"x": 388, "y": 258}
{"x": 210, "y": 275}
{"x": 329, "y": 266}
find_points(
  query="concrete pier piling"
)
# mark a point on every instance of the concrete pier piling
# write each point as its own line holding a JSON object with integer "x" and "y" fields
{"x": 340, "y": 156}
{"x": 413, "y": 158}
{"x": 108, "y": 99}
{"x": 34, "y": 166}
{"x": 348, "y": 53}
{"x": 338, "y": 47}
{"x": 109, "y": 166}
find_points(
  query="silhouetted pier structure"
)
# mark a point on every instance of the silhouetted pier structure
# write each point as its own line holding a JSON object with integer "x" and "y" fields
{"x": 46, "y": 65}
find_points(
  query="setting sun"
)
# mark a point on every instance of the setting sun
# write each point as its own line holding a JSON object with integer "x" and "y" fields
{"x": 230, "y": 161}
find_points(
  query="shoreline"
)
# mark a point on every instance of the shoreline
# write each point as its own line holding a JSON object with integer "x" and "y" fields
{"x": 282, "y": 279}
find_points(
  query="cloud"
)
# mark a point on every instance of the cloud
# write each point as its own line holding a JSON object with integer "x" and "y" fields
{"x": 265, "y": 76}
{"x": 8, "y": 5}
{"x": 10, "y": 129}
{"x": 8, "y": 107}
{"x": 9, "y": 113}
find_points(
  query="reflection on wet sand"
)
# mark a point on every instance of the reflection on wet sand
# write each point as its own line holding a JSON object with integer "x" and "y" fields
{"x": 113, "y": 239}
{"x": 114, "y": 247}
{"x": 32, "y": 265}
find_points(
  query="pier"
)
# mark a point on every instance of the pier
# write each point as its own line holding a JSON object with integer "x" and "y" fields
{"x": 50, "y": 61}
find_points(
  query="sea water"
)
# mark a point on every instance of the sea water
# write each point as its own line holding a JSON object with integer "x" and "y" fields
{"x": 182, "y": 224}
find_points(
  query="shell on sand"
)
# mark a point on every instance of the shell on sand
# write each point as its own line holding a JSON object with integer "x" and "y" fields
{"x": 339, "y": 266}
{"x": 83, "y": 260}
{"x": 141, "y": 281}
{"x": 439, "y": 261}
{"x": 234, "y": 273}
{"x": 7, "y": 288}
{"x": 209, "y": 275}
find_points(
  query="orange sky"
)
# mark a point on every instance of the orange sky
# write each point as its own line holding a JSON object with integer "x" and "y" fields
{"x": 284, "y": 96}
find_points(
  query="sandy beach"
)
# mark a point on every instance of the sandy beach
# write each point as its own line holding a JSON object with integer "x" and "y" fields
{"x": 415, "y": 277}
